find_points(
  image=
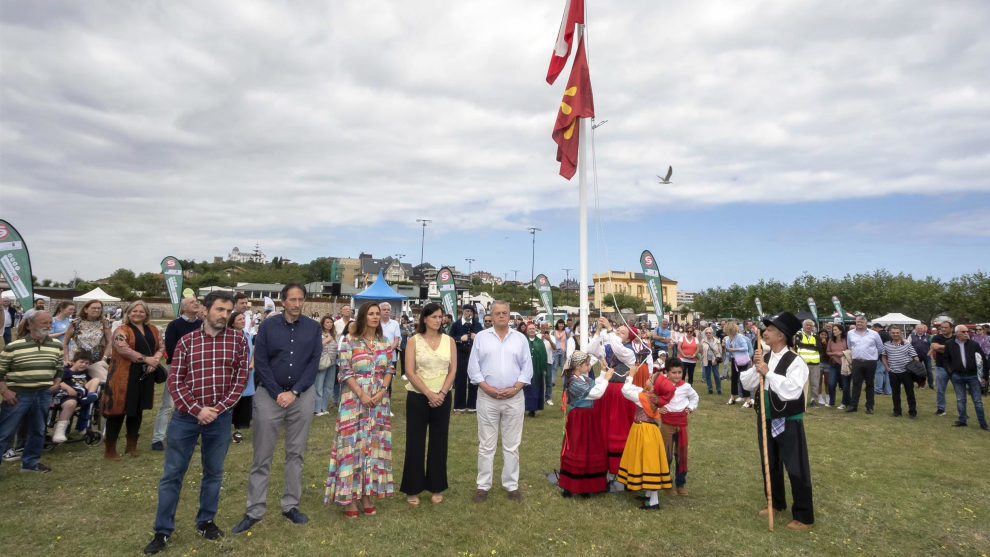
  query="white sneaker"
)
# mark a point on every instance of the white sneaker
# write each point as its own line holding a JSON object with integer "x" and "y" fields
{"x": 550, "y": 402}
{"x": 59, "y": 435}
{"x": 822, "y": 401}
{"x": 841, "y": 407}
{"x": 739, "y": 399}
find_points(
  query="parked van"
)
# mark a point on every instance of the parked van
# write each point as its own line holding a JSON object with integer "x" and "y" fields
{"x": 542, "y": 316}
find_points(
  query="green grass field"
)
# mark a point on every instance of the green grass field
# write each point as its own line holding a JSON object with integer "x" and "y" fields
{"x": 882, "y": 486}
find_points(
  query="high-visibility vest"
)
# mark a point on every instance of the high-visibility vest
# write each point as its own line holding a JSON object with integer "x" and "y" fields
{"x": 806, "y": 349}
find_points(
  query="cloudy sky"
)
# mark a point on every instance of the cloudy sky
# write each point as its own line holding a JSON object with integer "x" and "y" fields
{"x": 827, "y": 137}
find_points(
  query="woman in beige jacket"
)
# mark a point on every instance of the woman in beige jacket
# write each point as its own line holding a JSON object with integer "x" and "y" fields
{"x": 710, "y": 355}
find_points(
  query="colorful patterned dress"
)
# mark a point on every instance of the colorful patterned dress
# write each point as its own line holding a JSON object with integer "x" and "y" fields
{"x": 361, "y": 457}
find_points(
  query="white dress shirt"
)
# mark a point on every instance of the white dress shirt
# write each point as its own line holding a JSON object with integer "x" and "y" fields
{"x": 500, "y": 362}
{"x": 685, "y": 397}
{"x": 788, "y": 387}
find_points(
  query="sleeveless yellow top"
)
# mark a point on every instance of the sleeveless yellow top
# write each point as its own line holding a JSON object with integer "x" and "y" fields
{"x": 431, "y": 365}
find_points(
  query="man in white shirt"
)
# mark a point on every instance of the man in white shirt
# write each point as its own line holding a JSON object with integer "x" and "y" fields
{"x": 501, "y": 366}
{"x": 392, "y": 331}
{"x": 785, "y": 374}
{"x": 340, "y": 325}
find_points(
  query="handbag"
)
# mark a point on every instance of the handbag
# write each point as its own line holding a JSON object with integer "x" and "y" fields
{"x": 326, "y": 360}
{"x": 161, "y": 374}
{"x": 917, "y": 369}
{"x": 742, "y": 360}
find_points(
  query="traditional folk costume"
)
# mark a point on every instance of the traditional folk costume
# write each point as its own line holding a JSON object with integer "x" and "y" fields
{"x": 787, "y": 446}
{"x": 674, "y": 429}
{"x": 533, "y": 392}
{"x": 644, "y": 460}
{"x": 583, "y": 459}
{"x": 616, "y": 413}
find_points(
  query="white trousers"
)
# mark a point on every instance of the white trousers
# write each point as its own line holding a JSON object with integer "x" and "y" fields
{"x": 508, "y": 415}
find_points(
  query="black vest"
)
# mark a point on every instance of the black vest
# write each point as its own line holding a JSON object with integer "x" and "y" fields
{"x": 781, "y": 408}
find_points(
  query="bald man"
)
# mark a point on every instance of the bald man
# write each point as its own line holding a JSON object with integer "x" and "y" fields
{"x": 187, "y": 322}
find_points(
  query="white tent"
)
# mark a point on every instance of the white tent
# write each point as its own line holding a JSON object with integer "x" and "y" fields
{"x": 96, "y": 294}
{"x": 9, "y": 294}
{"x": 895, "y": 319}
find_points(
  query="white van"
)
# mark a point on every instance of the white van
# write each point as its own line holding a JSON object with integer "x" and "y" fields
{"x": 542, "y": 316}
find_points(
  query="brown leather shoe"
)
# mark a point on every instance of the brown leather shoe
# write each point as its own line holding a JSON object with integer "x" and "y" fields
{"x": 799, "y": 526}
{"x": 110, "y": 450}
{"x": 682, "y": 491}
{"x": 131, "y": 448}
{"x": 764, "y": 512}
{"x": 516, "y": 495}
{"x": 480, "y": 496}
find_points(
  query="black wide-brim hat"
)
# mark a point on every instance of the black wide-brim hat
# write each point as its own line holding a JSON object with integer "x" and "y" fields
{"x": 786, "y": 323}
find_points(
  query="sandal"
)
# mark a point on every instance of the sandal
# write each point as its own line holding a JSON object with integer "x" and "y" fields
{"x": 436, "y": 498}
{"x": 370, "y": 511}
{"x": 412, "y": 500}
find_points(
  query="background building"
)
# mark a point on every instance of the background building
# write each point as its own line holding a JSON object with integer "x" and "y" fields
{"x": 633, "y": 284}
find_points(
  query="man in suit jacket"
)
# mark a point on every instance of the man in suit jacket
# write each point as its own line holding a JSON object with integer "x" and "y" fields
{"x": 463, "y": 331}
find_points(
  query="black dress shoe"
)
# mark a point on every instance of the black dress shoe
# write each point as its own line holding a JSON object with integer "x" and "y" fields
{"x": 209, "y": 530}
{"x": 156, "y": 544}
{"x": 850, "y": 409}
{"x": 958, "y": 424}
{"x": 245, "y": 524}
{"x": 985, "y": 427}
{"x": 295, "y": 516}
{"x": 869, "y": 410}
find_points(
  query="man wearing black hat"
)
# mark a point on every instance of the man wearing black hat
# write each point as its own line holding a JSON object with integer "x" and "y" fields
{"x": 463, "y": 331}
{"x": 785, "y": 375}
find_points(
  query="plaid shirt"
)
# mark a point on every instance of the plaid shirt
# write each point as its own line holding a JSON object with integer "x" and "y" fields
{"x": 208, "y": 371}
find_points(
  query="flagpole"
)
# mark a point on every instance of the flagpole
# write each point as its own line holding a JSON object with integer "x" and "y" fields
{"x": 583, "y": 137}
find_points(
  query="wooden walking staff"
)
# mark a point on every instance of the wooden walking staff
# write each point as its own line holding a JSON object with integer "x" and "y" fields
{"x": 758, "y": 357}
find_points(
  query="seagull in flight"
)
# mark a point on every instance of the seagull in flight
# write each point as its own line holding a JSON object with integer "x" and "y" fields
{"x": 666, "y": 179}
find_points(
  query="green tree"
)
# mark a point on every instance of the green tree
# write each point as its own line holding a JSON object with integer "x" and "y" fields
{"x": 152, "y": 284}
{"x": 624, "y": 301}
{"x": 124, "y": 277}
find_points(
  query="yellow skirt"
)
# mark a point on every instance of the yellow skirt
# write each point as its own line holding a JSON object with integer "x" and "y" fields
{"x": 644, "y": 460}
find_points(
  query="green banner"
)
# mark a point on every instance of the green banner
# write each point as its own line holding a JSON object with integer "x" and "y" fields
{"x": 447, "y": 290}
{"x": 759, "y": 308}
{"x": 813, "y": 307}
{"x": 651, "y": 272}
{"x": 172, "y": 272}
{"x": 838, "y": 308}
{"x": 16, "y": 265}
{"x": 546, "y": 296}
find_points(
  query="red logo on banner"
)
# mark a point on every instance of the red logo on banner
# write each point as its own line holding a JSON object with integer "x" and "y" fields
{"x": 649, "y": 260}
{"x": 170, "y": 263}
{"x": 543, "y": 281}
{"x": 445, "y": 276}
{"x": 3, "y": 231}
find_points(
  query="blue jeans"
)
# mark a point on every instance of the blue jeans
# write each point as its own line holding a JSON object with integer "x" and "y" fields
{"x": 941, "y": 382}
{"x": 559, "y": 361}
{"x": 183, "y": 431}
{"x": 927, "y": 360}
{"x": 962, "y": 383}
{"x": 32, "y": 407}
{"x": 881, "y": 381}
{"x": 709, "y": 372}
{"x": 323, "y": 386}
{"x": 836, "y": 379}
{"x": 548, "y": 382}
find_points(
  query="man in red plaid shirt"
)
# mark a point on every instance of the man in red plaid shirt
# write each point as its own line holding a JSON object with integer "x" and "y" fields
{"x": 209, "y": 371}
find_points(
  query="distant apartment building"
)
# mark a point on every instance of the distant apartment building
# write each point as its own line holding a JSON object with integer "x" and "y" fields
{"x": 630, "y": 283}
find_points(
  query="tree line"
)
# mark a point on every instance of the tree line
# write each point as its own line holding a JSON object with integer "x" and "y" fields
{"x": 965, "y": 298}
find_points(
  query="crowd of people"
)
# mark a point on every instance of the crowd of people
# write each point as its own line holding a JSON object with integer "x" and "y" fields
{"x": 229, "y": 371}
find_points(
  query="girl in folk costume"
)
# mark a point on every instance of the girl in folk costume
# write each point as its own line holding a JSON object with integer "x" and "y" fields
{"x": 583, "y": 460}
{"x": 616, "y": 413}
{"x": 644, "y": 459}
{"x": 674, "y": 423}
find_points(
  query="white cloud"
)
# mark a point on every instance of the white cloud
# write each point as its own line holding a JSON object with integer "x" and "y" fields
{"x": 137, "y": 129}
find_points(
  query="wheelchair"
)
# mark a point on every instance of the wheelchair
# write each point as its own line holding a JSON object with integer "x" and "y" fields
{"x": 86, "y": 420}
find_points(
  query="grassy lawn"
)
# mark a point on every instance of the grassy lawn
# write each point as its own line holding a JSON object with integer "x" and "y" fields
{"x": 882, "y": 486}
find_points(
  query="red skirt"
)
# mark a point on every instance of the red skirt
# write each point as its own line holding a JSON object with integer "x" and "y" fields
{"x": 617, "y": 416}
{"x": 583, "y": 462}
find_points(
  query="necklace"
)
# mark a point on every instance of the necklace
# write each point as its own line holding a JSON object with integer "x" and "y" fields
{"x": 433, "y": 345}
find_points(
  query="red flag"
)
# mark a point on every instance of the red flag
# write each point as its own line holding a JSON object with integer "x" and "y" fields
{"x": 577, "y": 103}
{"x": 573, "y": 14}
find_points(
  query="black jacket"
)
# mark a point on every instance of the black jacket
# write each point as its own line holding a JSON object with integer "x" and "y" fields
{"x": 459, "y": 329}
{"x": 954, "y": 360}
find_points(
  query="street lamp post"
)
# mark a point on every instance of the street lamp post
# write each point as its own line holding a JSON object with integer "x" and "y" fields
{"x": 532, "y": 268}
{"x": 469, "y": 260}
{"x": 422, "y": 242}
{"x": 567, "y": 276}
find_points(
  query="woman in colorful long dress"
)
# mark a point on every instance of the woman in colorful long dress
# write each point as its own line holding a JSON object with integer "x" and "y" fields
{"x": 361, "y": 457}
{"x": 583, "y": 459}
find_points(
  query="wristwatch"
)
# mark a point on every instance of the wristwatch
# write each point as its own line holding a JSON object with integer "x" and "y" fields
{"x": 295, "y": 393}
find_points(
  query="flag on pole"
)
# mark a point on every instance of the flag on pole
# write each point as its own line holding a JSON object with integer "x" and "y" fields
{"x": 15, "y": 264}
{"x": 573, "y": 14}
{"x": 577, "y": 103}
{"x": 172, "y": 272}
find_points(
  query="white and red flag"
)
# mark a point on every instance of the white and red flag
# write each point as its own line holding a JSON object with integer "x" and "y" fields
{"x": 573, "y": 14}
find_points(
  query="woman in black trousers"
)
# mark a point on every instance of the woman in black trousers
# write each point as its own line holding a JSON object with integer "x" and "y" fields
{"x": 430, "y": 365}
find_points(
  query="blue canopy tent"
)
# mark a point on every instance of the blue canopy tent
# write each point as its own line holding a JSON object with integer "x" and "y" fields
{"x": 380, "y": 291}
